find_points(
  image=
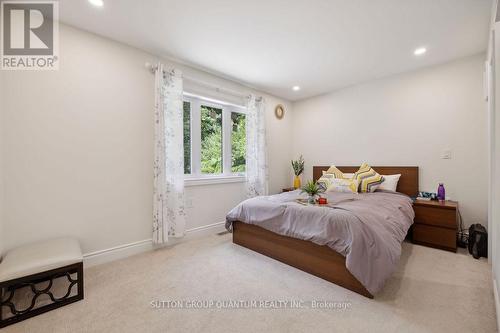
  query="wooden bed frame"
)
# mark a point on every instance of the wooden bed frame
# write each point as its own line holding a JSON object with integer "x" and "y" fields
{"x": 309, "y": 257}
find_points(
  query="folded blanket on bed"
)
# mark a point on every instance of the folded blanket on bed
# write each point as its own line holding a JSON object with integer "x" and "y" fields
{"x": 367, "y": 228}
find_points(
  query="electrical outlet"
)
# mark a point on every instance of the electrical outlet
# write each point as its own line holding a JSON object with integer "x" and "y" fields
{"x": 446, "y": 154}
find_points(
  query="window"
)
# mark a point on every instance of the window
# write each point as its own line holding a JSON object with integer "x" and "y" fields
{"x": 214, "y": 139}
{"x": 238, "y": 142}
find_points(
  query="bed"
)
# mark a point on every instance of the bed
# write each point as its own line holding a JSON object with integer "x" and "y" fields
{"x": 315, "y": 257}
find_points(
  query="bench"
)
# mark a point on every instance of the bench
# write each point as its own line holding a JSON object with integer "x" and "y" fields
{"x": 35, "y": 267}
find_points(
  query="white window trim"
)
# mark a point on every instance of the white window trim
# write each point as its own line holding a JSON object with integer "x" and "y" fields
{"x": 196, "y": 177}
{"x": 210, "y": 180}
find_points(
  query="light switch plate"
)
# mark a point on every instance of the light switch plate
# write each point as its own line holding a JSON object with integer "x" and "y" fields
{"x": 446, "y": 154}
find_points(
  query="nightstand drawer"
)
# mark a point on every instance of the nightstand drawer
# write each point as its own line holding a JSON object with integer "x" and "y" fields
{"x": 435, "y": 236}
{"x": 436, "y": 216}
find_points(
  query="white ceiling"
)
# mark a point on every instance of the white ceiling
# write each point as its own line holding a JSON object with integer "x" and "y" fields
{"x": 272, "y": 45}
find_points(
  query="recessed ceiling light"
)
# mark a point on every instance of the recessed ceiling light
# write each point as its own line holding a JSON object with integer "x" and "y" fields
{"x": 296, "y": 88}
{"x": 420, "y": 51}
{"x": 97, "y": 3}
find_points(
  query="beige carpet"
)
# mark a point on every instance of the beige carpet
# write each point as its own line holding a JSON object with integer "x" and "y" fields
{"x": 432, "y": 291}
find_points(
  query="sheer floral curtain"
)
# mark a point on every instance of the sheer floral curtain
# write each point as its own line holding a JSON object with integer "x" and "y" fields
{"x": 256, "y": 168}
{"x": 168, "y": 195}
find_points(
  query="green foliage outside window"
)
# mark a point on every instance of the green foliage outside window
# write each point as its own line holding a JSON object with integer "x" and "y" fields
{"x": 211, "y": 140}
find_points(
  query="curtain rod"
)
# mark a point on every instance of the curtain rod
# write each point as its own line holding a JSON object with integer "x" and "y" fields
{"x": 153, "y": 68}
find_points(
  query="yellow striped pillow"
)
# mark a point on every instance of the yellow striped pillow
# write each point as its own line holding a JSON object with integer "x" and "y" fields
{"x": 334, "y": 171}
{"x": 368, "y": 179}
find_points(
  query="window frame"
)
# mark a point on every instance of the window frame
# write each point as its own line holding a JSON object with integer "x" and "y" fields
{"x": 227, "y": 176}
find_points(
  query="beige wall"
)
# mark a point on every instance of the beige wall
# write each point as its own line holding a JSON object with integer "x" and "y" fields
{"x": 494, "y": 234}
{"x": 2, "y": 107}
{"x": 77, "y": 143}
{"x": 78, "y": 148}
{"x": 407, "y": 119}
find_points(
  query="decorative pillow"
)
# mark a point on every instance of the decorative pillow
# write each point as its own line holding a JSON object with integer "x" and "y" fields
{"x": 367, "y": 178}
{"x": 342, "y": 185}
{"x": 334, "y": 171}
{"x": 390, "y": 182}
{"x": 325, "y": 180}
{"x": 348, "y": 175}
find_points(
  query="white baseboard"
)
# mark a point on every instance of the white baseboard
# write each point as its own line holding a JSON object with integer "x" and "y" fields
{"x": 117, "y": 252}
{"x": 127, "y": 250}
{"x": 497, "y": 302}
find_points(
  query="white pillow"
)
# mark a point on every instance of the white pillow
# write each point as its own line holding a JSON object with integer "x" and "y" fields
{"x": 348, "y": 175}
{"x": 390, "y": 182}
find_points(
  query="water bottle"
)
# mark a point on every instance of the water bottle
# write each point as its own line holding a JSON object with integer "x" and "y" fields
{"x": 441, "y": 192}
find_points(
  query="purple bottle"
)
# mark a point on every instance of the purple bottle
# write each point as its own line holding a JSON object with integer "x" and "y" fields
{"x": 441, "y": 192}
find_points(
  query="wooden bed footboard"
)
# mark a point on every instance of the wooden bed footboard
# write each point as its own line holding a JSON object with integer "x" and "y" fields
{"x": 317, "y": 260}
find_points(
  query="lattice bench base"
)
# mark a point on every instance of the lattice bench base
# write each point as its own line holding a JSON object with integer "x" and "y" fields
{"x": 9, "y": 314}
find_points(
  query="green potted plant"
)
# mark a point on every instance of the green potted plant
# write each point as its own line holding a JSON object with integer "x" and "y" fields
{"x": 298, "y": 168}
{"x": 313, "y": 190}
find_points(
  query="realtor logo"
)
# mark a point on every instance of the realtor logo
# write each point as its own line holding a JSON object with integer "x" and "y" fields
{"x": 29, "y": 35}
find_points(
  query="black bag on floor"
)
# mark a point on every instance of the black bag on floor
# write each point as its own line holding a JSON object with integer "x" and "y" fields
{"x": 478, "y": 241}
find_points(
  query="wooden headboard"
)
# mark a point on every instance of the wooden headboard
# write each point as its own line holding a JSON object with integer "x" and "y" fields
{"x": 408, "y": 183}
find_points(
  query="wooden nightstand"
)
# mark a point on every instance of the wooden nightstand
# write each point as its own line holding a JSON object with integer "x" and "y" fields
{"x": 288, "y": 189}
{"x": 436, "y": 224}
